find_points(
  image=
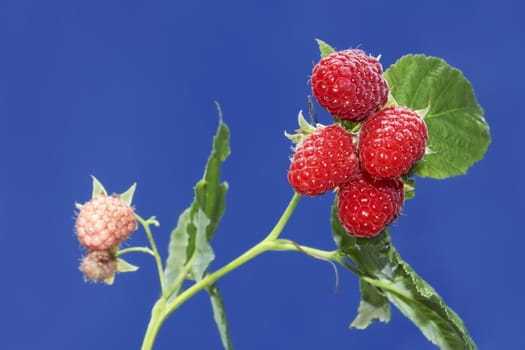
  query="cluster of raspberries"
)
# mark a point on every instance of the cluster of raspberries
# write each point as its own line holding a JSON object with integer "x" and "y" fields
{"x": 364, "y": 166}
{"x": 102, "y": 224}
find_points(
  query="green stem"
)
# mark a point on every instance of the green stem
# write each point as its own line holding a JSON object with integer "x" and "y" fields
{"x": 154, "y": 324}
{"x": 276, "y": 231}
{"x": 136, "y": 249}
{"x": 146, "y": 224}
{"x": 163, "y": 309}
{"x": 261, "y": 247}
{"x": 349, "y": 267}
{"x": 287, "y": 245}
{"x": 256, "y": 250}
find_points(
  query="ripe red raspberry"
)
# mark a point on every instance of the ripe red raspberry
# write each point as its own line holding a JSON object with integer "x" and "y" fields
{"x": 324, "y": 160}
{"x": 365, "y": 205}
{"x": 98, "y": 266}
{"x": 349, "y": 84}
{"x": 391, "y": 141}
{"x": 104, "y": 222}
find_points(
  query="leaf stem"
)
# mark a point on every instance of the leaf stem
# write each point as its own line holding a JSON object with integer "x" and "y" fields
{"x": 349, "y": 267}
{"x": 136, "y": 249}
{"x": 154, "y": 324}
{"x": 276, "y": 231}
{"x": 286, "y": 245}
{"x": 146, "y": 224}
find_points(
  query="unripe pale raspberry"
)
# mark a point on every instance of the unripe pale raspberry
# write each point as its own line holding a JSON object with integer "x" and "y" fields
{"x": 104, "y": 222}
{"x": 98, "y": 266}
{"x": 349, "y": 84}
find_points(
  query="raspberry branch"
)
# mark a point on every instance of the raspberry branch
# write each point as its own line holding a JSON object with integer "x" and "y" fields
{"x": 383, "y": 129}
{"x": 164, "y": 308}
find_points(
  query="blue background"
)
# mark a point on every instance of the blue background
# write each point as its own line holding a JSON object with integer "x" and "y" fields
{"x": 124, "y": 90}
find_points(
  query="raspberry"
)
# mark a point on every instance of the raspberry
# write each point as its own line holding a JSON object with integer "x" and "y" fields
{"x": 324, "y": 160}
{"x": 98, "y": 266}
{"x": 104, "y": 222}
{"x": 349, "y": 84}
{"x": 391, "y": 141}
{"x": 366, "y": 205}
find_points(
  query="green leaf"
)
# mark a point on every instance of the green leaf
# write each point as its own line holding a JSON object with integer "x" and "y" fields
{"x": 203, "y": 252}
{"x": 220, "y": 316}
{"x": 127, "y": 197}
{"x": 458, "y": 133}
{"x": 189, "y": 249}
{"x": 374, "y": 306}
{"x": 381, "y": 266}
{"x": 210, "y": 193}
{"x": 410, "y": 187}
{"x": 324, "y": 48}
{"x": 124, "y": 266}
{"x": 418, "y": 301}
{"x": 98, "y": 189}
{"x": 177, "y": 250}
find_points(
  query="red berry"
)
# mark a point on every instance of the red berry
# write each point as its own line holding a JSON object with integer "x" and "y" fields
{"x": 391, "y": 141}
{"x": 366, "y": 205}
{"x": 324, "y": 160}
{"x": 349, "y": 84}
{"x": 104, "y": 222}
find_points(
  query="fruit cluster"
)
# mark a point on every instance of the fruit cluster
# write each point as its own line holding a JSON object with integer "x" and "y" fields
{"x": 365, "y": 164}
{"x": 102, "y": 224}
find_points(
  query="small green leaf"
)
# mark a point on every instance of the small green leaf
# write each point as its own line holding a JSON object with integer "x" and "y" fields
{"x": 124, "y": 266}
{"x": 177, "y": 250}
{"x": 203, "y": 252}
{"x": 374, "y": 306}
{"x": 324, "y": 48}
{"x": 98, "y": 189}
{"x": 410, "y": 187}
{"x": 458, "y": 133}
{"x": 381, "y": 266}
{"x": 304, "y": 126}
{"x": 219, "y": 316}
{"x": 127, "y": 197}
{"x": 110, "y": 280}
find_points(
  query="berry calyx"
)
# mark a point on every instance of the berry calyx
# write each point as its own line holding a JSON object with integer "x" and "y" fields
{"x": 349, "y": 84}
{"x": 104, "y": 222}
{"x": 391, "y": 141}
{"x": 99, "y": 266}
{"x": 366, "y": 206}
{"x": 325, "y": 159}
